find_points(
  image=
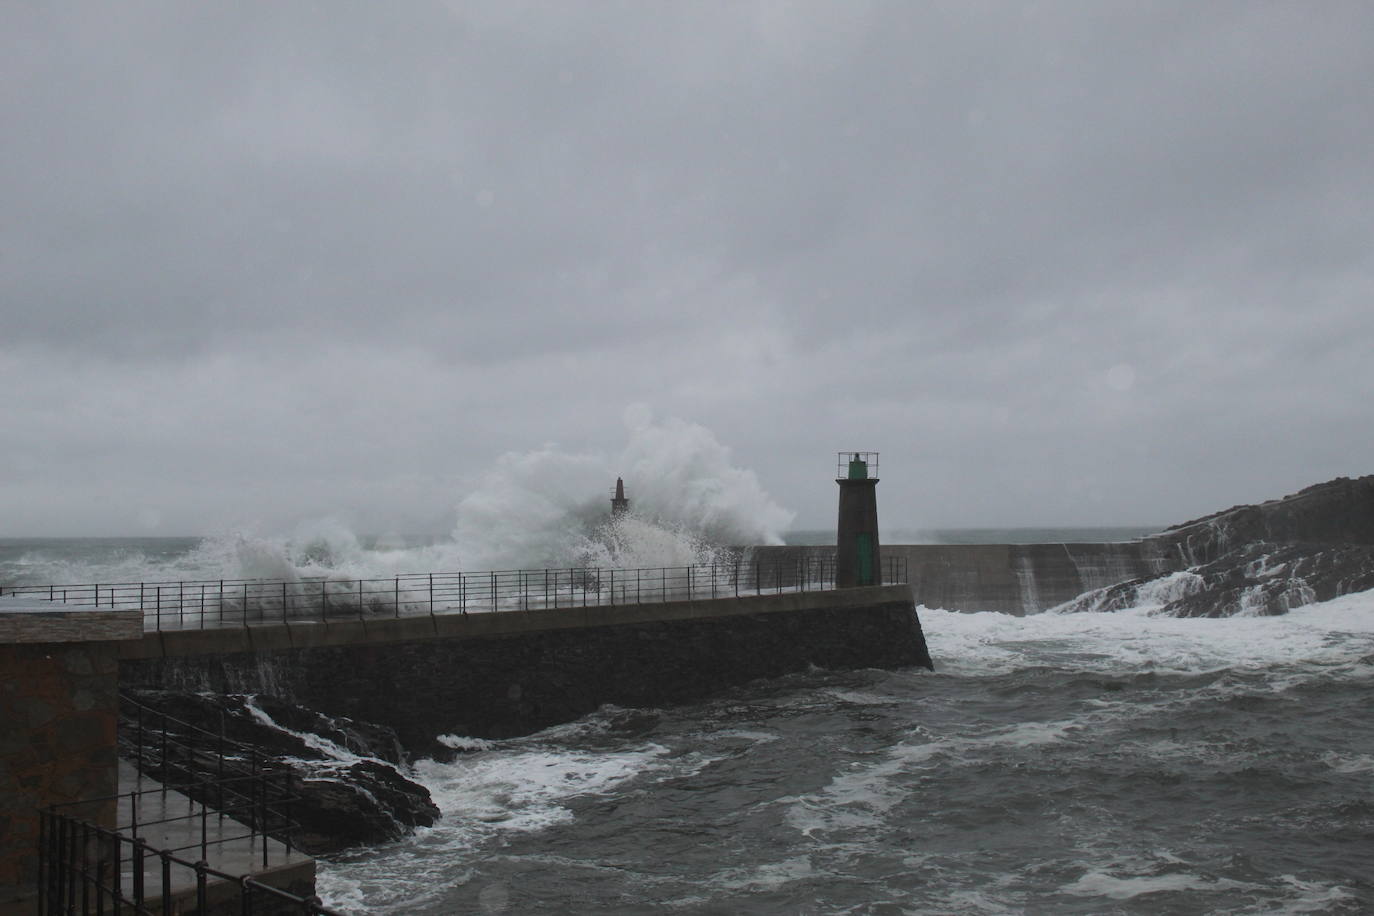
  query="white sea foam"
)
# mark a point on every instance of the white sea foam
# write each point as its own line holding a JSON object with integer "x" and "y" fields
{"x": 335, "y": 754}
{"x": 522, "y": 787}
{"x": 460, "y": 743}
{"x": 524, "y": 790}
{"x": 763, "y": 876}
{"x": 1349, "y": 764}
{"x": 1340, "y": 631}
{"x": 862, "y": 796}
{"x": 1310, "y": 642}
{"x": 1100, "y": 884}
{"x": 1310, "y": 897}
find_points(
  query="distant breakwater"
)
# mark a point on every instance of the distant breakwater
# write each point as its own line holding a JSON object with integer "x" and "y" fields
{"x": 1266, "y": 558}
{"x": 1010, "y": 578}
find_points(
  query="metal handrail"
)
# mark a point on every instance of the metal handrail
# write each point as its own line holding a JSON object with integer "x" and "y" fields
{"x": 212, "y": 603}
{"x": 82, "y": 864}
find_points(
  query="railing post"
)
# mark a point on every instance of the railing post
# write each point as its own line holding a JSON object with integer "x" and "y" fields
{"x": 283, "y": 602}
{"x": 286, "y": 811}
{"x": 138, "y": 872}
{"x": 201, "y": 866}
{"x": 100, "y": 883}
{"x": 139, "y": 752}
{"x": 166, "y": 856}
{"x": 70, "y": 845}
{"x": 612, "y": 587}
{"x": 219, "y": 767}
{"x": 431, "y": 594}
{"x": 44, "y": 854}
{"x": 85, "y": 868}
{"x": 398, "y": 595}
{"x": 59, "y": 854}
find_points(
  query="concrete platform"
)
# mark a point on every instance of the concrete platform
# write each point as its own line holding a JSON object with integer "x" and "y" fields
{"x": 225, "y": 847}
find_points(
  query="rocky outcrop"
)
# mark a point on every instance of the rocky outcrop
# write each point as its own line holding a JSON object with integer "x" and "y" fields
{"x": 349, "y": 783}
{"x": 1264, "y": 559}
{"x": 1338, "y": 512}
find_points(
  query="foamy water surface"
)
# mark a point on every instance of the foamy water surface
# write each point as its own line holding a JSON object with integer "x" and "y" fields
{"x": 1078, "y": 763}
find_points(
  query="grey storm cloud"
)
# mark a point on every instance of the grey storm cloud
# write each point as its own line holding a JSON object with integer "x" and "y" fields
{"x": 1061, "y": 262}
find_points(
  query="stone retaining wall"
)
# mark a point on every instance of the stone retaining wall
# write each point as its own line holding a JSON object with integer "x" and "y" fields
{"x": 58, "y": 714}
{"x": 499, "y": 675}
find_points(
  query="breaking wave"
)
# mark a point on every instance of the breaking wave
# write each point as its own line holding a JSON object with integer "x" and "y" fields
{"x": 542, "y": 508}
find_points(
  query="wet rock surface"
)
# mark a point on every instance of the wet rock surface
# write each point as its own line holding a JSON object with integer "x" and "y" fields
{"x": 1264, "y": 559}
{"x": 349, "y": 780}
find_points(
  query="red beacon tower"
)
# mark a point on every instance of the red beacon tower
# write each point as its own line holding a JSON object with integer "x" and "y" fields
{"x": 619, "y": 504}
{"x": 856, "y": 535}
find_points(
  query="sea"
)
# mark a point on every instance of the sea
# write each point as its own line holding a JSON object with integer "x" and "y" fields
{"x": 1057, "y": 763}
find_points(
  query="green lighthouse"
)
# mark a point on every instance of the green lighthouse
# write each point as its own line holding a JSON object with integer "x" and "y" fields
{"x": 856, "y": 534}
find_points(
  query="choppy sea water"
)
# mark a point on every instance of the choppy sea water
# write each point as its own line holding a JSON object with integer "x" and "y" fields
{"x": 1117, "y": 763}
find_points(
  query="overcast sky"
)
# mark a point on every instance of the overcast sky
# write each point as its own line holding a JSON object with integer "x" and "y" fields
{"x": 1060, "y": 263}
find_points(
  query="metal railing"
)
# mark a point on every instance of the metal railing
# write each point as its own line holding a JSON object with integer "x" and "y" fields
{"x": 197, "y": 604}
{"x": 83, "y": 871}
{"x": 212, "y": 792}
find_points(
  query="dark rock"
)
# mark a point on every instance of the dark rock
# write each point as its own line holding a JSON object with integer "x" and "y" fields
{"x": 349, "y": 789}
{"x": 1337, "y": 512}
{"x": 1267, "y": 559}
{"x": 364, "y": 804}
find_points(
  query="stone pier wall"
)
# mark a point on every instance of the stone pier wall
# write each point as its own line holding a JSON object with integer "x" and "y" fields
{"x": 512, "y": 673}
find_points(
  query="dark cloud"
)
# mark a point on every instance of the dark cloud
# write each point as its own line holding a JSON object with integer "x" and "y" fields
{"x": 1064, "y": 263}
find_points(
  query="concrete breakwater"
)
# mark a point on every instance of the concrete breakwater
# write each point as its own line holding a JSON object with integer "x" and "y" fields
{"x": 1010, "y": 578}
{"x": 503, "y": 674}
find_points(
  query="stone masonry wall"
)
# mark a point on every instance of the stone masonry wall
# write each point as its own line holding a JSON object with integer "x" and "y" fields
{"x": 500, "y": 686}
{"x": 58, "y": 715}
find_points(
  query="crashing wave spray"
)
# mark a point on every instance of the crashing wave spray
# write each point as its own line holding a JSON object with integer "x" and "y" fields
{"x": 548, "y": 508}
{"x": 545, "y": 508}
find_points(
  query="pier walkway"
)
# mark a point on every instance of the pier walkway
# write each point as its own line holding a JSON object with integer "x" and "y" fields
{"x": 172, "y": 822}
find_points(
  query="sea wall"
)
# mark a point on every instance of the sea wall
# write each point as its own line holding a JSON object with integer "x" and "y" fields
{"x": 512, "y": 673}
{"x": 1010, "y": 578}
